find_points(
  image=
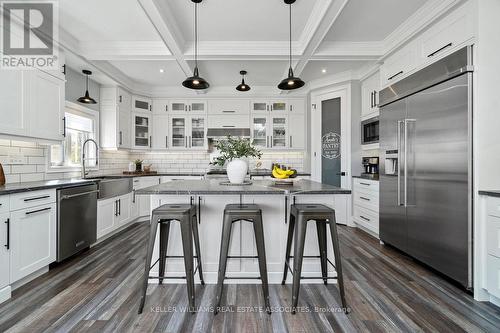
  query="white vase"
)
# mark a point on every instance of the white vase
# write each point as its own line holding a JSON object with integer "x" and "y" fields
{"x": 237, "y": 171}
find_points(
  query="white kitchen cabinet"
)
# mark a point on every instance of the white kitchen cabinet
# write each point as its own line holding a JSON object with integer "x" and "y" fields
{"x": 106, "y": 216}
{"x": 228, "y": 121}
{"x": 296, "y": 106}
{"x": 192, "y": 106}
{"x": 115, "y": 118}
{"x": 4, "y": 249}
{"x": 123, "y": 215}
{"x": 297, "y": 131}
{"x": 160, "y": 131}
{"x": 188, "y": 132}
{"x": 398, "y": 65}
{"x": 160, "y": 106}
{"x": 141, "y": 131}
{"x": 46, "y": 106}
{"x": 14, "y": 111}
{"x": 370, "y": 95}
{"x": 366, "y": 204}
{"x": 229, "y": 106}
{"x": 262, "y": 106}
{"x": 144, "y": 200}
{"x": 259, "y": 131}
{"x": 269, "y": 131}
{"x": 33, "y": 240}
{"x": 279, "y": 131}
{"x": 141, "y": 104}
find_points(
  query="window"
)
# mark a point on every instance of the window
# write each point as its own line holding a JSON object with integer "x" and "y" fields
{"x": 80, "y": 126}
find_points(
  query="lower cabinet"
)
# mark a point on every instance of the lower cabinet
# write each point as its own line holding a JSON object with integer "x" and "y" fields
{"x": 32, "y": 240}
{"x": 113, "y": 213}
{"x": 4, "y": 250}
{"x": 366, "y": 204}
{"x": 144, "y": 201}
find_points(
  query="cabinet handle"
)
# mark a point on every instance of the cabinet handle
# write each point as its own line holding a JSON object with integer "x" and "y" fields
{"x": 271, "y": 142}
{"x": 228, "y": 111}
{"x": 364, "y": 218}
{"x": 397, "y": 74}
{"x": 133, "y": 196}
{"x": 150, "y": 108}
{"x": 199, "y": 210}
{"x": 185, "y": 141}
{"x": 166, "y": 141}
{"x": 150, "y": 141}
{"x": 121, "y": 98}
{"x": 37, "y": 198}
{"x": 228, "y": 126}
{"x": 363, "y": 198}
{"x": 64, "y": 126}
{"x": 366, "y": 184}
{"x": 166, "y": 108}
{"x": 291, "y": 145}
{"x": 439, "y": 50}
{"x": 291, "y": 107}
{"x": 267, "y": 107}
{"x": 64, "y": 69}
{"x": 190, "y": 108}
{"x": 116, "y": 207}
{"x": 119, "y": 206}
{"x": 190, "y": 142}
{"x": 121, "y": 139}
{"x": 375, "y": 98}
{"x": 371, "y": 99}
{"x": 8, "y": 234}
{"x": 38, "y": 211}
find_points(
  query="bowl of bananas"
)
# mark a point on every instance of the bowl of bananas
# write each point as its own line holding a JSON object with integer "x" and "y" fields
{"x": 283, "y": 175}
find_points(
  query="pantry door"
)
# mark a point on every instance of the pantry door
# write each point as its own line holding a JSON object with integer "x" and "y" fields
{"x": 330, "y": 142}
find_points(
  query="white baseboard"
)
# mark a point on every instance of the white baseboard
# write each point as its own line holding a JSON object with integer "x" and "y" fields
{"x": 5, "y": 293}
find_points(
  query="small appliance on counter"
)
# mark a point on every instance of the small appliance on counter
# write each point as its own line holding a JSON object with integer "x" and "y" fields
{"x": 370, "y": 167}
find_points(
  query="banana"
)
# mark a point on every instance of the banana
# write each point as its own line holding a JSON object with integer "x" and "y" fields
{"x": 278, "y": 175}
{"x": 282, "y": 174}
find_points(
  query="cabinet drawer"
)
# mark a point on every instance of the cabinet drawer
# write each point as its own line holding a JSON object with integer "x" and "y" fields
{"x": 493, "y": 235}
{"x": 366, "y": 185}
{"x": 224, "y": 106}
{"x": 493, "y": 206}
{"x": 368, "y": 200}
{"x": 366, "y": 218}
{"x": 31, "y": 199}
{"x": 229, "y": 121}
{"x": 4, "y": 203}
{"x": 493, "y": 275}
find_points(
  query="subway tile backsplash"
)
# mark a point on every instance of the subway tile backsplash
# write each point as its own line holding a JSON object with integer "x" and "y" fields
{"x": 33, "y": 161}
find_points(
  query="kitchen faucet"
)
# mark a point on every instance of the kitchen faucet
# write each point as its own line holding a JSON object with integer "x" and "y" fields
{"x": 84, "y": 173}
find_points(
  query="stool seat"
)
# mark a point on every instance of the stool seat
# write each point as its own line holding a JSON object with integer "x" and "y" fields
{"x": 242, "y": 209}
{"x": 319, "y": 210}
{"x": 173, "y": 209}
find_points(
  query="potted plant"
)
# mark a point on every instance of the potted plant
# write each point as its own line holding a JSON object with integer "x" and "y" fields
{"x": 138, "y": 165}
{"x": 234, "y": 152}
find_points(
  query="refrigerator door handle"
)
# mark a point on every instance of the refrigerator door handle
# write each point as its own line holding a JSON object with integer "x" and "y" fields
{"x": 406, "y": 122}
{"x": 400, "y": 122}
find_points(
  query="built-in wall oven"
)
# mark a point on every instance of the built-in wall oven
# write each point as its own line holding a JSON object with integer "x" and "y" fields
{"x": 369, "y": 131}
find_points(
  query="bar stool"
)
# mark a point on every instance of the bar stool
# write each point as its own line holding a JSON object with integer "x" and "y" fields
{"x": 302, "y": 214}
{"x": 249, "y": 213}
{"x": 187, "y": 217}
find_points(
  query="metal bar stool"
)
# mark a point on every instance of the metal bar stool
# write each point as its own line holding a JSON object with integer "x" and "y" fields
{"x": 249, "y": 213}
{"x": 187, "y": 217}
{"x": 301, "y": 214}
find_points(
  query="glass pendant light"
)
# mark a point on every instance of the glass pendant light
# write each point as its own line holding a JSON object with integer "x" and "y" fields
{"x": 291, "y": 82}
{"x": 195, "y": 81}
{"x": 86, "y": 99}
{"x": 243, "y": 86}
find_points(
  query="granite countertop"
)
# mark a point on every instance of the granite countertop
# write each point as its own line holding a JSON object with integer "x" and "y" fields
{"x": 491, "y": 193}
{"x": 213, "y": 186}
{"x": 42, "y": 185}
{"x": 159, "y": 174}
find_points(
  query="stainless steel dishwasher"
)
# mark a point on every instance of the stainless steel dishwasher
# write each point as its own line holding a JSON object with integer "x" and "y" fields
{"x": 76, "y": 219}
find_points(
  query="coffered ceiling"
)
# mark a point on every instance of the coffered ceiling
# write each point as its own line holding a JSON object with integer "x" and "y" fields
{"x": 130, "y": 41}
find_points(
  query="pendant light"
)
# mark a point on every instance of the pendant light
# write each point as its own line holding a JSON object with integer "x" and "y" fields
{"x": 195, "y": 81}
{"x": 86, "y": 99}
{"x": 243, "y": 86}
{"x": 290, "y": 82}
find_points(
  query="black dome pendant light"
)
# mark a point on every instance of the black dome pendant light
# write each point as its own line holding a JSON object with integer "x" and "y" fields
{"x": 290, "y": 82}
{"x": 195, "y": 81}
{"x": 243, "y": 86}
{"x": 86, "y": 99}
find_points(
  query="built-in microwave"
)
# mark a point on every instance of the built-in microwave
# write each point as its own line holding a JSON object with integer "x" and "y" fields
{"x": 370, "y": 131}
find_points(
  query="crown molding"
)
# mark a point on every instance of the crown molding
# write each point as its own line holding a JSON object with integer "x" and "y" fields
{"x": 360, "y": 50}
{"x": 331, "y": 80}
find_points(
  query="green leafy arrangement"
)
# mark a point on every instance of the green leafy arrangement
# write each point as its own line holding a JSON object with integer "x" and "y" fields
{"x": 231, "y": 148}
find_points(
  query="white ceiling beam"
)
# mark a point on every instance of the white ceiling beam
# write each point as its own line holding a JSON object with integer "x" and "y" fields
{"x": 164, "y": 22}
{"x": 125, "y": 50}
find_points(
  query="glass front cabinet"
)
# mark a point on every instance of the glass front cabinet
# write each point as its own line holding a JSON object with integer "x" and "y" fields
{"x": 188, "y": 132}
{"x": 194, "y": 106}
{"x": 270, "y": 131}
{"x": 142, "y": 131}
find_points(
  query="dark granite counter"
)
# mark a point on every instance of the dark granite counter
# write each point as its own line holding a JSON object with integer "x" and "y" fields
{"x": 490, "y": 193}
{"x": 258, "y": 187}
{"x": 162, "y": 174}
{"x": 42, "y": 185}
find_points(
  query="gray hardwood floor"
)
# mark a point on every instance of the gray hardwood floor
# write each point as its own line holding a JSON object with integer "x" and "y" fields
{"x": 387, "y": 292}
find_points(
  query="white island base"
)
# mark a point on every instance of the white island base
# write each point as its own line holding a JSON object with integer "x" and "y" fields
{"x": 243, "y": 239}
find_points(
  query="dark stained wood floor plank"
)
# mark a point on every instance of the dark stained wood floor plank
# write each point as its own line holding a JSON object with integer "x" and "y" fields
{"x": 98, "y": 291}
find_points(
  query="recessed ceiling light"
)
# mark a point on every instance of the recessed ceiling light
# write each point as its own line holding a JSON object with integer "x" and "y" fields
{"x": 162, "y": 70}
{"x": 323, "y": 70}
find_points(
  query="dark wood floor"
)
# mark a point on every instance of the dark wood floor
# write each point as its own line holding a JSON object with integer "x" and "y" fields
{"x": 388, "y": 292}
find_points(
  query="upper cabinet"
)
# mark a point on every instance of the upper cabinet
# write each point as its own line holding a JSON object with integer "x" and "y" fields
{"x": 262, "y": 106}
{"x": 115, "y": 118}
{"x": 446, "y": 36}
{"x": 141, "y": 131}
{"x": 370, "y": 95}
{"x": 32, "y": 104}
{"x": 229, "y": 107}
{"x": 141, "y": 104}
{"x": 161, "y": 106}
{"x": 193, "y": 106}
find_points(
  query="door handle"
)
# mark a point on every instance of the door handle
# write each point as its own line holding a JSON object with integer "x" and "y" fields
{"x": 343, "y": 173}
{"x": 406, "y": 122}
{"x": 398, "y": 139}
{"x": 8, "y": 234}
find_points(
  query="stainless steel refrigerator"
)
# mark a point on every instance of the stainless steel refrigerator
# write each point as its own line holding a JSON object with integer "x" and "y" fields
{"x": 426, "y": 166}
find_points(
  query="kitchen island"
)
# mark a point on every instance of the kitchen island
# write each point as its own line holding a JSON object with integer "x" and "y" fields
{"x": 211, "y": 197}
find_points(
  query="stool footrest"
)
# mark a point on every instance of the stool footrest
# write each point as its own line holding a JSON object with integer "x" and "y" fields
{"x": 243, "y": 278}
{"x": 242, "y": 257}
